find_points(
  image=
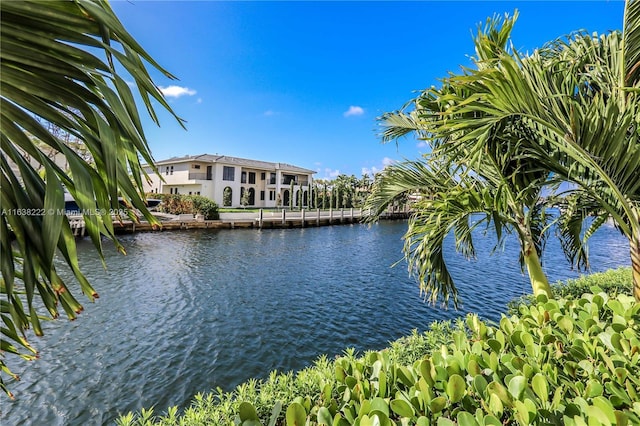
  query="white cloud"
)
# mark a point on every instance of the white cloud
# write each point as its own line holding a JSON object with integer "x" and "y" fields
{"x": 327, "y": 173}
{"x": 176, "y": 91}
{"x": 386, "y": 161}
{"x": 353, "y": 111}
{"x": 270, "y": 113}
{"x": 422, "y": 144}
{"x": 371, "y": 171}
{"x": 332, "y": 173}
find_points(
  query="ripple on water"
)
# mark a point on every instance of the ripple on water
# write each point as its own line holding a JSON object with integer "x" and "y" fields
{"x": 186, "y": 312}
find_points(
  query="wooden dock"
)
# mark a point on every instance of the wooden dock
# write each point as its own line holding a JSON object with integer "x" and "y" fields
{"x": 257, "y": 220}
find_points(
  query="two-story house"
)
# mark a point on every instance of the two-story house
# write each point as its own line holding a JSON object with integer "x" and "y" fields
{"x": 225, "y": 179}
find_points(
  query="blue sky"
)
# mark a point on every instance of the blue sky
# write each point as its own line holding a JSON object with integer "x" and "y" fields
{"x": 303, "y": 82}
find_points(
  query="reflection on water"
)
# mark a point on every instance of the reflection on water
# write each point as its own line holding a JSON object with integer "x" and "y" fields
{"x": 186, "y": 312}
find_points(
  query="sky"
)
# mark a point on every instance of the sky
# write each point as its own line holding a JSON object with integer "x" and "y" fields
{"x": 303, "y": 82}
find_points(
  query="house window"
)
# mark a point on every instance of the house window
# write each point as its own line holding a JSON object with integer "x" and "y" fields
{"x": 272, "y": 195}
{"x": 252, "y": 177}
{"x": 263, "y": 176}
{"x": 166, "y": 170}
{"x": 243, "y": 177}
{"x": 228, "y": 173}
{"x": 171, "y": 170}
{"x": 261, "y": 195}
{"x": 272, "y": 179}
{"x": 196, "y": 166}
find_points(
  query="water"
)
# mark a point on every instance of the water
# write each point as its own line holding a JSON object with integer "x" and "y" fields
{"x": 186, "y": 312}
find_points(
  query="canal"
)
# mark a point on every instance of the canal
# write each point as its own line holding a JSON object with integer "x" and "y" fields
{"x": 187, "y": 312}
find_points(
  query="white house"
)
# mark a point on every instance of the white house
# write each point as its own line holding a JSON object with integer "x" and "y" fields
{"x": 211, "y": 175}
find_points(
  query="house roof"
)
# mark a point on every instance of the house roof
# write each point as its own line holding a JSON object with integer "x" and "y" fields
{"x": 236, "y": 161}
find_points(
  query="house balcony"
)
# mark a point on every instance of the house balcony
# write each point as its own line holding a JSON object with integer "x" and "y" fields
{"x": 296, "y": 183}
{"x": 200, "y": 176}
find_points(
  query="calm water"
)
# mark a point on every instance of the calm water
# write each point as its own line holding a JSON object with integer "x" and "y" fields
{"x": 186, "y": 312}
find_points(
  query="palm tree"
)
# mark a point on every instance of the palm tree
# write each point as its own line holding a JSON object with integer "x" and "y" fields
{"x": 460, "y": 202}
{"x": 363, "y": 187}
{"x": 51, "y": 73}
{"x": 495, "y": 184}
{"x": 581, "y": 98}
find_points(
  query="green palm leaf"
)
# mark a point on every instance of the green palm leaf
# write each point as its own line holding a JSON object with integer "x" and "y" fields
{"x": 58, "y": 93}
{"x": 631, "y": 51}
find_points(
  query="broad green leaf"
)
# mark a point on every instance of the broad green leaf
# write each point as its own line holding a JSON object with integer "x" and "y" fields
{"x": 324, "y": 416}
{"x": 456, "y": 388}
{"x": 247, "y": 412}
{"x": 402, "y": 408}
{"x": 517, "y": 385}
{"x": 379, "y": 404}
{"x": 296, "y": 415}
{"x": 539, "y": 385}
{"x": 466, "y": 419}
{"x": 437, "y": 404}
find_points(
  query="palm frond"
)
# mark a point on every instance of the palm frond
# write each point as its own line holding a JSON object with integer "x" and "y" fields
{"x": 631, "y": 34}
{"x": 59, "y": 76}
{"x": 398, "y": 124}
{"x": 409, "y": 177}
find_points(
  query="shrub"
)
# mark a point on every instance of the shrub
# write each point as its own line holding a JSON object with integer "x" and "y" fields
{"x": 573, "y": 361}
{"x": 188, "y": 204}
{"x": 226, "y": 197}
{"x": 204, "y": 206}
{"x": 613, "y": 282}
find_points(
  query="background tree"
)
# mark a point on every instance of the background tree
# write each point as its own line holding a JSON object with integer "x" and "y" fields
{"x": 363, "y": 188}
{"x": 315, "y": 196}
{"x": 67, "y": 64}
{"x": 244, "y": 197}
{"x": 324, "y": 196}
{"x": 226, "y": 196}
{"x": 291, "y": 196}
{"x": 331, "y": 196}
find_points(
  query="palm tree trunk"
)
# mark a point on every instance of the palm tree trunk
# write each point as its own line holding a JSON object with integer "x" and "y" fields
{"x": 539, "y": 281}
{"x": 635, "y": 265}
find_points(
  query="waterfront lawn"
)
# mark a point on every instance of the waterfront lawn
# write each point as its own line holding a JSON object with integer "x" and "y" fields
{"x": 574, "y": 360}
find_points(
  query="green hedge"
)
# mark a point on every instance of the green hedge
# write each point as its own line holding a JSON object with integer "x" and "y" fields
{"x": 187, "y": 204}
{"x": 613, "y": 282}
{"x": 573, "y": 361}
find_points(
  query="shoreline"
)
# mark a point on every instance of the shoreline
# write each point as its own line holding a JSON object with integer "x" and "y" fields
{"x": 254, "y": 220}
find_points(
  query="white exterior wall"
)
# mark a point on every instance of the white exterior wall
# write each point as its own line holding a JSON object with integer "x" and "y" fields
{"x": 154, "y": 184}
{"x": 219, "y": 185}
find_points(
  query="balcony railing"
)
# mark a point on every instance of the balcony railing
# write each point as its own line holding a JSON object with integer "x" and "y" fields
{"x": 297, "y": 183}
{"x": 199, "y": 176}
